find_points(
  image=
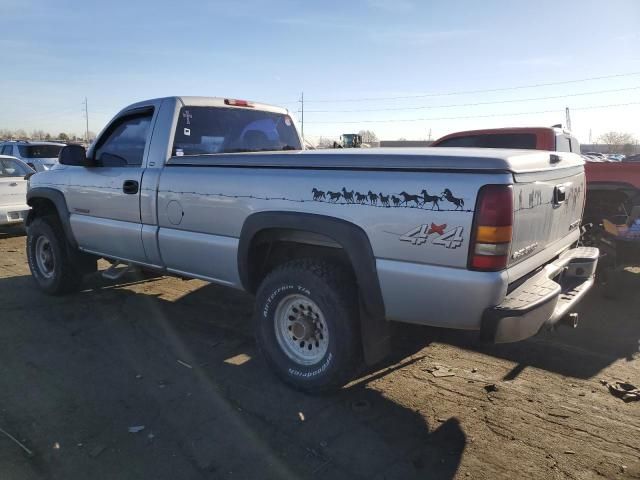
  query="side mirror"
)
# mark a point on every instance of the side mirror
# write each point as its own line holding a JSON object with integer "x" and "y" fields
{"x": 29, "y": 175}
{"x": 73, "y": 155}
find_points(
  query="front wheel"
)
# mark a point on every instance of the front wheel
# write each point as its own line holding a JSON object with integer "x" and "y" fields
{"x": 52, "y": 265}
{"x": 307, "y": 324}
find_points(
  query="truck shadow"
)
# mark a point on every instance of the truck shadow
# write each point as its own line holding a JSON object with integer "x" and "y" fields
{"x": 608, "y": 331}
{"x": 121, "y": 354}
{"x": 12, "y": 231}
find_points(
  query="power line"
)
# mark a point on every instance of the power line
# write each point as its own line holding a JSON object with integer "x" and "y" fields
{"x": 592, "y": 107}
{"x": 475, "y": 104}
{"x": 464, "y": 92}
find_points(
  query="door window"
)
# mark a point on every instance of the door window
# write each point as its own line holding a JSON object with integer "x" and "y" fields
{"x": 124, "y": 143}
{"x": 7, "y": 149}
{"x": 12, "y": 168}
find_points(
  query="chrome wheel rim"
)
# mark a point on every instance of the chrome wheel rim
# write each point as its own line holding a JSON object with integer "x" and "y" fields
{"x": 44, "y": 257}
{"x": 301, "y": 329}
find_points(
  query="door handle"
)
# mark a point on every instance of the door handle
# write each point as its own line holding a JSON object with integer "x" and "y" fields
{"x": 130, "y": 187}
{"x": 559, "y": 194}
{"x": 13, "y": 184}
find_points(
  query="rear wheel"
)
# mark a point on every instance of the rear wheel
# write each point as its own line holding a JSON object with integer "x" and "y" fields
{"x": 307, "y": 324}
{"x": 56, "y": 268}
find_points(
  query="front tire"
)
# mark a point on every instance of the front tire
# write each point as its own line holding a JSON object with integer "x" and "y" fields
{"x": 306, "y": 324}
{"x": 52, "y": 264}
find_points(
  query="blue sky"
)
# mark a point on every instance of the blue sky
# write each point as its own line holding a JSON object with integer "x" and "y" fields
{"x": 56, "y": 53}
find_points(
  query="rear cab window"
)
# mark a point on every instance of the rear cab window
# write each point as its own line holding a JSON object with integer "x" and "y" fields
{"x": 39, "y": 151}
{"x": 499, "y": 140}
{"x": 211, "y": 130}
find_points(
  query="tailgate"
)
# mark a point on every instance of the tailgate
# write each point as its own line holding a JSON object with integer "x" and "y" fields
{"x": 548, "y": 208}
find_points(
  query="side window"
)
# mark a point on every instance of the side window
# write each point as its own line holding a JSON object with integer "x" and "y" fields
{"x": 124, "y": 145}
{"x": 7, "y": 150}
{"x": 11, "y": 168}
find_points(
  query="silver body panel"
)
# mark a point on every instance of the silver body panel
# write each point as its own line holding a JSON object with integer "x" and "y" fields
{"x": 189, "y": 213}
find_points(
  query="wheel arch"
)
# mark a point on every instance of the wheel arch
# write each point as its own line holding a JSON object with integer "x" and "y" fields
{"x": 331, "y": 232}
{"x": 44, "y": 201}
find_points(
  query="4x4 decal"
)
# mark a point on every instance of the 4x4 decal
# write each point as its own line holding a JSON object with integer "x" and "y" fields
{"x": 435, "y": 234}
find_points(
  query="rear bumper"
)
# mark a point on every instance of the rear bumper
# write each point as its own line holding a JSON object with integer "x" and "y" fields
{"x": 543, "y": 299}
{"x": 11, "y": 214}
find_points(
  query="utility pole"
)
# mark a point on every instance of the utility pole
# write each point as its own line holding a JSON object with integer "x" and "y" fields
{"x": 86, "y": 116}
{"x": 589, "y": 136}
{"x": 429, "y": 134}
{"x": 302, "y": 116}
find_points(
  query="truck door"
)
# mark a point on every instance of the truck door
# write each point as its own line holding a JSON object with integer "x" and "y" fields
{"x": 104, "y": 200}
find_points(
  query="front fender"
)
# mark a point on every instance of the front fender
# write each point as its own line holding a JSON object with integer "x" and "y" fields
{"x": 56, "y": 197}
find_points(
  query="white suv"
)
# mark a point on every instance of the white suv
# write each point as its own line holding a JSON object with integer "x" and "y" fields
{"x": 40, "y": 156}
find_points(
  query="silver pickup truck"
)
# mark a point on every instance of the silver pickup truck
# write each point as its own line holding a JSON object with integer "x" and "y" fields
{"x": 334, "y": 244}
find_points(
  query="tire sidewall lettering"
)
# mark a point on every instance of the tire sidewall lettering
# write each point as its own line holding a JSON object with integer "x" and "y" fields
{"x": 267, "y": 314}
{"x": 284, "y": 288}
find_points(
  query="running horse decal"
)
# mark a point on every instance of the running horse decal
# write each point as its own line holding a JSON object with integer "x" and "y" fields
{"x": 318, "y": 194}
{"x": 448, "y": 196}
{"x": 410, "y": 198}
{"x": 348, "y": 196}
{"x": 432, "y": 199}
{"x": 334, "y": 196}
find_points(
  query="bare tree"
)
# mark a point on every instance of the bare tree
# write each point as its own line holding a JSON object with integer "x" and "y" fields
{"x": 616, "y": 141}
{"x": 368, "y": 136}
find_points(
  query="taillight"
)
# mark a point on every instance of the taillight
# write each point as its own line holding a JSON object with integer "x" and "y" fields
{"x": 237, "y": 103}
{"x": 492, "y": 228}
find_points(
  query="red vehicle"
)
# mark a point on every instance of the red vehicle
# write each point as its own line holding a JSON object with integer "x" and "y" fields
{"x": 530, "y": 138}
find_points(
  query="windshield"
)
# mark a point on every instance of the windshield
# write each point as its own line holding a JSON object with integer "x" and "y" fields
{"x": 13, "y": 168}
{"x": 208, "y": 130}
{"x": 39, "y": 151}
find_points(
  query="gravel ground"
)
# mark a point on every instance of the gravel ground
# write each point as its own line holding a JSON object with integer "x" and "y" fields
{"x": 177, "y": 358}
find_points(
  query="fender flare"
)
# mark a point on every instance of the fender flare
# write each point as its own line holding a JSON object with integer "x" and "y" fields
{"x": 375, "y": 332}
{"x": 57, "y": 198}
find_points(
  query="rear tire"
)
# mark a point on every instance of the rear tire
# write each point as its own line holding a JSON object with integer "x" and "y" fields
{"x": 56, "y": 268}
{"x": 306, "y": 324}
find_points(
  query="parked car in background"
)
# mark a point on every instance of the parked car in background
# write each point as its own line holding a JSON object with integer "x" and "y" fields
{"x": 632, "y": 158}
{"x": 534, "y": 138}
{"x": 601, "y": 156}
{"x": 40, "y": 156}
{"x": 13, "y": 190}
{"x": 334, "y": 243}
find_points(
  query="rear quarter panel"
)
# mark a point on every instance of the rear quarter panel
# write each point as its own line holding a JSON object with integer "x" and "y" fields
{"x": 215, "y": 202}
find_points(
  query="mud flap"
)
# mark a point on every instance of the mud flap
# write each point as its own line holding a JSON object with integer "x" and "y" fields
{"x": 375, "y": 333}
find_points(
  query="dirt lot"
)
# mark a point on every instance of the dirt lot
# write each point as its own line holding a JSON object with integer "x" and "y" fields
{"x": 177, "y": 357}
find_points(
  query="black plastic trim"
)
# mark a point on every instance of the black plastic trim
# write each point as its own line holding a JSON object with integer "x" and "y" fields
{"x": 57, "y": 198}
{"x": 351, "y": 238}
